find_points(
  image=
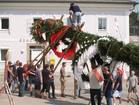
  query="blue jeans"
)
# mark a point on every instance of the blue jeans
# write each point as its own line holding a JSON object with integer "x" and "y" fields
{"x": 26, "y": 84}
{"x": 109, "y": 100}
{"x": 78, "y": 91}
{"x": 21, "y": 88}
{"x": 77, "y": 18}
{"x": 14, "y": 85}
{"x": 52, "y": 85}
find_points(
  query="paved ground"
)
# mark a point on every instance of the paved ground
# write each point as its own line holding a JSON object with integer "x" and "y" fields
{"x": 68, "y": 100}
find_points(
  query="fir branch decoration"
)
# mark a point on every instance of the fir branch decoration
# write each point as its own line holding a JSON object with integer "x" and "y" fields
{"x": 107, "y": 46}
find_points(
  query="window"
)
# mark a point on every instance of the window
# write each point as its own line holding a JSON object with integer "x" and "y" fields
{"x": 4, "y": 23}
{"x": 3, "y": 53}
{"x": 102, "y": 23}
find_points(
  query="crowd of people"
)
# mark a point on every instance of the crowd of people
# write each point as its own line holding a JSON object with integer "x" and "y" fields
{"x": 38, "y": 82}
{"x": 30, "y": 78}
{"x": 110, "y": 86}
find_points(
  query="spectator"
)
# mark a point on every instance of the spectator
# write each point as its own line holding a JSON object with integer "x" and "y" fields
{"x": 14, "y": 82}
{"x": 10, "y": 74}
{"x": 107, "y": 86}
{"x": 62, "y": 79}
{"x": 26, "y": 68}
{"x": 96, "y": 77}
{"x": 45, "y": 80}
{"x": 20, "y": 76}
{"x": 118, "y": 86}
{"x": 51, "y": 81}
{"x": 31, "y": 78}
{"x": 75, "y": 14}
{"x": 37, "y": 81}
{"x": 132, "y": 83}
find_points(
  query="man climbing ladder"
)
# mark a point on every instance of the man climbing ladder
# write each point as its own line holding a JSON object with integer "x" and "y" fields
{"x": 75, "y": 14}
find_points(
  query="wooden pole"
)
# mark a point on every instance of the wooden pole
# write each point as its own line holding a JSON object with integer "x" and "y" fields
{"x": 78, "y": 28}
{"x": 50, "y": 46}
{"x": 43, "y": 56}
{"x": 9, "y": 94}
{"x": 73, "y": 39}
{"x": 38, "y": 55}
{"x": 6, "y": 86}
{"x": 6, "y": 68}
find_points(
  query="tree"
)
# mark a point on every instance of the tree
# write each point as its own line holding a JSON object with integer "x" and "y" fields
{"x": 133, "y": 19}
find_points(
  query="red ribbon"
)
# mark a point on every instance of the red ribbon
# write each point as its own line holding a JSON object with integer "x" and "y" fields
{"x": 98, "y": 76}
{"x": 70, "y": 51}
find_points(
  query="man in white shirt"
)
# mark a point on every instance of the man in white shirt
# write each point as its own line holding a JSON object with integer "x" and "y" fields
{"x": 96, "y": 82}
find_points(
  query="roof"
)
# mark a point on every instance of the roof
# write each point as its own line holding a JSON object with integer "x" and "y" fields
{"x": 68, "y": 1}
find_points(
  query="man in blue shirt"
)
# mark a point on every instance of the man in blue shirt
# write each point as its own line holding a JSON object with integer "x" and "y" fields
{"x": 75, "y": 14}
{"x": 20, "y": 76}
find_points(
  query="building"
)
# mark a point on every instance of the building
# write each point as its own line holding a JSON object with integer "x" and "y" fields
{"x": 134, "y": 25}
{"x": 102, "y": 17}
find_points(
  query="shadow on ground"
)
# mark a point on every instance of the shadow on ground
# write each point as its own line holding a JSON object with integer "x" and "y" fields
{"x": 61, "y": 102}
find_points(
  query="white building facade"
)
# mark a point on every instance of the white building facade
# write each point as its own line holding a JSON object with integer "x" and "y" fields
{"x": 16, "y": 17}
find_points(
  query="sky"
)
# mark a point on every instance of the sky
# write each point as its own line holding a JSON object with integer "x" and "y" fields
{"x": 135, "y": 0}
{"x": 136, "y": 9}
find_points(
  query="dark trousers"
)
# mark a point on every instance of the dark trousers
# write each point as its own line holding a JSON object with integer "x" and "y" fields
{"x": 95, "y": 94}
{"x": 45, "y": 88}
{"x": 21, "y": 89}
{"x": 109, "y": 100}
{"x": 51, "y": 85}
{"x": 37, "y": 85}
{"x": 26, "y": 85}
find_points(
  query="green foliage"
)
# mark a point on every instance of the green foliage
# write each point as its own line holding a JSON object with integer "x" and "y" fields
{"x": 133, "y": 19}
{"x": 103, "y": 46}
{"x": 134, "y": 56}
{"x": 129, "y": 54}
{"x": 107, "y": 46}
{"x": 114, "y": 48}
{"x": 124, "y": 53}
{"x": 47, "y": 26}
